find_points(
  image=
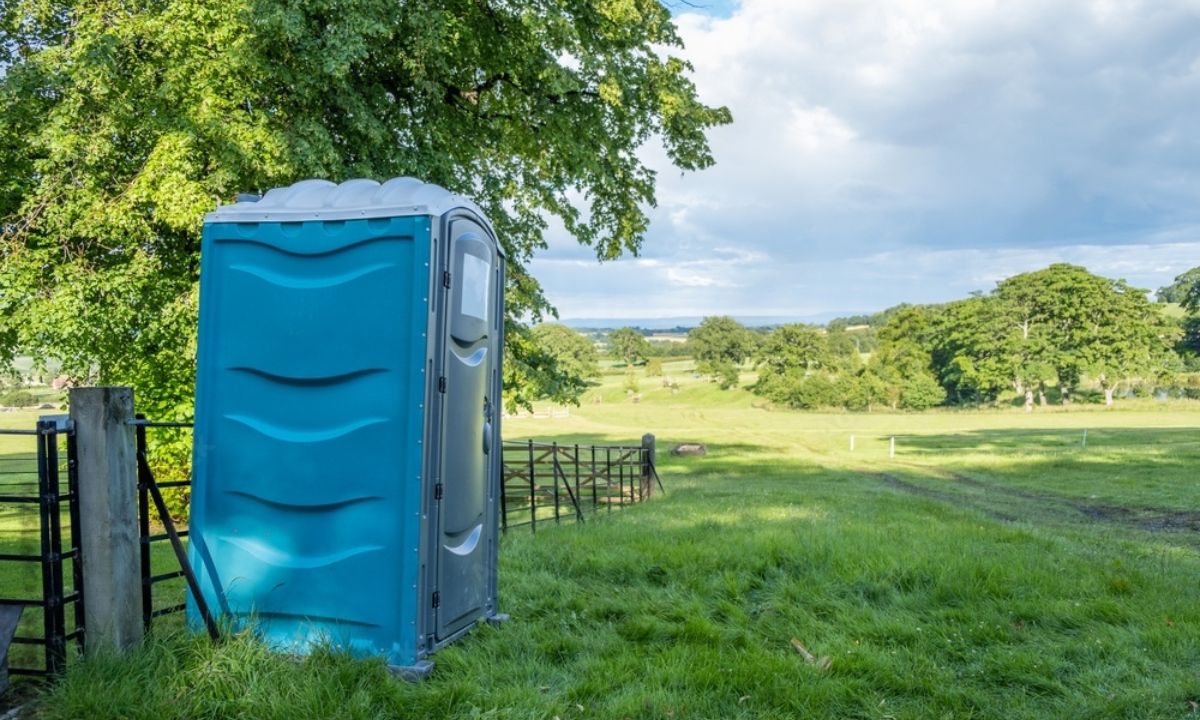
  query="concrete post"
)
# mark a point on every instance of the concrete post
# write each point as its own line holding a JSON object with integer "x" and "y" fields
{"x": 648, "y": 460}
{"x": 108, "y": 516}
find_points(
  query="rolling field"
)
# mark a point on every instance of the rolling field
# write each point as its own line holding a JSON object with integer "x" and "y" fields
{"x": 996, "y": 567}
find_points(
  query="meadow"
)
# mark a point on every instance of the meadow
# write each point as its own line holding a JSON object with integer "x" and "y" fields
{"x": 996, "y": 567}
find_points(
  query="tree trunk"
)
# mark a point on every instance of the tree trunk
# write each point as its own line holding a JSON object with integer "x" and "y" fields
{"x": 1108, "y": 393}
{"x": 1029, "y": 399}
{"x": 1042, "y": 394}
{"x": 1018, "y": 386}
{"x": 1066, "y": 393}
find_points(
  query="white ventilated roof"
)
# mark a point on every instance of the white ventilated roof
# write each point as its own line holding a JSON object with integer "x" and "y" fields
{"x": 351, "y": 200}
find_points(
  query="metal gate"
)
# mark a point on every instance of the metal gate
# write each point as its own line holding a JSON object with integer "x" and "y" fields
{"x": 40, "y": 568}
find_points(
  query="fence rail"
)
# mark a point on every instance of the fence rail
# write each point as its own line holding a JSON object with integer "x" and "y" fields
{"x": 549, "y": 482}
{"x": 157, "y": 528}
{"x": 40, "y": 567}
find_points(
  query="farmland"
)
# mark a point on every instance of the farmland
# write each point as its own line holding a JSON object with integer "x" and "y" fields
{"x": 996, "y": 567}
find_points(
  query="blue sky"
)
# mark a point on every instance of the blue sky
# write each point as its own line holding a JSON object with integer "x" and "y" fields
{"x": 914, "y": 150}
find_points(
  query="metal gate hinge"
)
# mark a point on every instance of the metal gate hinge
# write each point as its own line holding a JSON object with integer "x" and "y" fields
{"x": 446, "y": 279}
{"x": 437, "y": 598}
{"x": 442, "y": 384}
{"x": 437, "y": 491}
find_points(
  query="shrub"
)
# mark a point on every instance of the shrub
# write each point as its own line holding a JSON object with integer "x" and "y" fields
{"x": 18, "y": 398}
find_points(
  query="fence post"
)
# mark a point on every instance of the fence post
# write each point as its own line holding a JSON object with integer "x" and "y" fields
{"x": 108, "y": 512}
{"x": 648, "y": 461}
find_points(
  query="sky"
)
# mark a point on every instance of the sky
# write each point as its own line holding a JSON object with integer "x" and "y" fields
{"x": 913, "y": 151}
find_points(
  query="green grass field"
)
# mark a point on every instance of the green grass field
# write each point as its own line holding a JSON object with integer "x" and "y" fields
{"x": 994, "y": 568}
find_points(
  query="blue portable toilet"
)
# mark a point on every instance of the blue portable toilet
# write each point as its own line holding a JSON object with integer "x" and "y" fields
{"x": 347, "y": 434}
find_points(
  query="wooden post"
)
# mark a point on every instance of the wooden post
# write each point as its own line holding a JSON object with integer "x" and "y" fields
{"x": 648, "y": 461}
{"x": 108, "y": 516}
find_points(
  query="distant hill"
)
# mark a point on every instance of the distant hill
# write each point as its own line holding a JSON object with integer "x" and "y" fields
{"x": 691, "y": 321}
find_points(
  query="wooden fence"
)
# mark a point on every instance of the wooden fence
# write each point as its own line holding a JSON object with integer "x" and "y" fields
{"x": 549, "y": 482}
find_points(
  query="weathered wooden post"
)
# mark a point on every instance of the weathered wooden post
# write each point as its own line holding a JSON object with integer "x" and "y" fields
{"x": 648, "y": 460}
{"x": 108, "y": 516}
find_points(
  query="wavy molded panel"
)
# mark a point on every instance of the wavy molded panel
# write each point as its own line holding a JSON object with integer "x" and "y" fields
{"x": 309, "y": 283}
{"x": 338, "y": 379}
{"x": 291, "y": 559}
{"x": 306, "y": 507}
{"x": 296, "y": 435}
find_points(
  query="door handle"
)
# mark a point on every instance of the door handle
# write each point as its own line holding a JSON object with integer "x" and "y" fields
{"x": 487, "y": 426}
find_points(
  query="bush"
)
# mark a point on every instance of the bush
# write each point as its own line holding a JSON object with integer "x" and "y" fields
{"x": 18, "y": 398}
{"x": 815, "y": 391}
{"x": 921, "y": 392}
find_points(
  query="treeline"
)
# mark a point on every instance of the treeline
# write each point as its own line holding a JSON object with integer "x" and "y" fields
{"x": 1043, "y": 336}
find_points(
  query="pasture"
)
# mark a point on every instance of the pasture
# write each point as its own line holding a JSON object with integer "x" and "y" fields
{"x": 996, "y": 567}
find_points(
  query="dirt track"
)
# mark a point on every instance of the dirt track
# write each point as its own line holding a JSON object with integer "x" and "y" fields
{"x": 1009, "y": 504}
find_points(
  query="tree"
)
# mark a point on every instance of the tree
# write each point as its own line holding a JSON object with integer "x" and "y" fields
{"x": 786, "y": 357}
{"x": 1130, "y": 339}
{"x": 1075, "y": 323}
{"x": 120, "y": 128}
{"x": 902, "y": 363}
{"x": 1183, "y": 287}
{"x": 1052, "y": 310}
{"x": 719, "y": 345}
{"x": 575, "y": 359}
{"x": 973, "y": 348}
{"x": 628, "y": 345}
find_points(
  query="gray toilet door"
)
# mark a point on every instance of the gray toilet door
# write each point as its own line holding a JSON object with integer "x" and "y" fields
{"x": 466, "y": 429}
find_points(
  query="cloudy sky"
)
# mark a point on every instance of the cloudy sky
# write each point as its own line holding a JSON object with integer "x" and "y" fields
{"x": 915, "y": 150}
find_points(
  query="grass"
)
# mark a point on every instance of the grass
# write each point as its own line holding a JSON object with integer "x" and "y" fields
{"x": 995, "y": 568}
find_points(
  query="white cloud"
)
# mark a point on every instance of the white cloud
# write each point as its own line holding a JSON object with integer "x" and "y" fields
{"x": 957, "y": 141}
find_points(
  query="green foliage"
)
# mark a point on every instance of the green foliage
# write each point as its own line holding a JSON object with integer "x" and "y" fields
{"x": 725, "y": 373}
{"x": 120, "y": 127}
{"x": 1180, "y": 290}
{"x": 631, "y": 380}
{"x": 721, "y": 339}
{"x": 654, "y": 367}
{"x": 628, "y": 345}
{"x": 575, "y": 361}
{"x": 17, "y": 398}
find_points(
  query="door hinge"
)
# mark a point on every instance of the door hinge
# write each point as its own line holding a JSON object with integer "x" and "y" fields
{"x": 446, "y": 279}
{"x": 442, "y": 384}
{"x": 437, "y": 491}
{"x": 437, "y": 598}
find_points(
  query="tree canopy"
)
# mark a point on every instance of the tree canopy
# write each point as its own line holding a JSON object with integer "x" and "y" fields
{"x": 122, "y": 124}
{"x": 719, "y": 345}
{"x": 628, "y": 345}
{"x": 574, "y": 356}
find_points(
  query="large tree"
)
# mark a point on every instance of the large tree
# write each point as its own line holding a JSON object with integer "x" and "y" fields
{"x": 121, "y": 124}
{"x": 719, "y": 344}
{"x": 629, "y": 345}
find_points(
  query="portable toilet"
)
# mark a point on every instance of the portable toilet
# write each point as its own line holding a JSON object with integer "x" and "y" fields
{"x": 347, "y": 433}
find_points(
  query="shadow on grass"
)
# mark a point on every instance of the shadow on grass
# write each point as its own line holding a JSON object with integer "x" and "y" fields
{"x": 690, "y": 605}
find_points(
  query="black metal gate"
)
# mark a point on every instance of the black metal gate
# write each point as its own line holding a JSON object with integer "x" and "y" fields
{"x": 40, "y": 566}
